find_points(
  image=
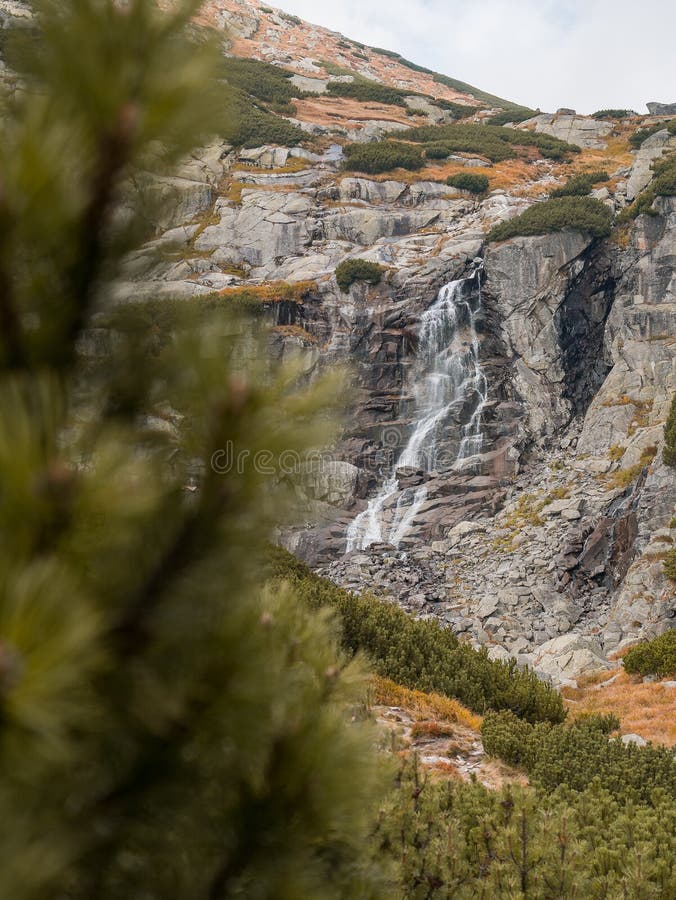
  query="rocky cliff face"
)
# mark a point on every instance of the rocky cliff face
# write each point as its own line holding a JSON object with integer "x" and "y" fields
{"x": 546, "y": 544}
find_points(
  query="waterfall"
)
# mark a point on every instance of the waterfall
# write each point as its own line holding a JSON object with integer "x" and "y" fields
{"x": 446, "y": 376}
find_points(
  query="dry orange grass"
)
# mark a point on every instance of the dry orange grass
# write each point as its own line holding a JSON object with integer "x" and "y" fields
{"x": 271, "y": 292}
{"x": 325, "y": 110}
{"x": 428, "y": 708}
{"x": 648, "y": 709}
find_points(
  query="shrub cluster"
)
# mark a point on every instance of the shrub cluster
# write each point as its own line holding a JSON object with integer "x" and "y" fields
{"x": 656, "y": 657}
{"x": 664, "y": 182}
{"x": 662, "y": 185}
{"x": 494, "y": 141}
{"x": 515, "y": 114}
{"x": 267, "y": 83}
{"x": 669, "y": 452}
{"x": 612, "y": 113}
{"x": 351, "y": 270}
{"x": 421, "y": 654}
{"x": 639, "y": 136}
{"x": 250, "y": 126}
{"x": 437, "y": 150}
{"x": 580, "y": 185}
{"x": 467, "y": 181}
{"x": 459, "y": 110}
{"x": 576, "y": 754}
{"x": 464, "y": 841}
{"x": 382, "y": 156}
{"x": 670, "y": 564}
{"x": 580, "y": 213}
{"x": 367, "y": 92}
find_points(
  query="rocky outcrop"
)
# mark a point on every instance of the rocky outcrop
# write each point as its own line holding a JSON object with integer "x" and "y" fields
{"x": 650, "y": 150}
{"x": 566, "y": 125}
{"x": 662, "y": 109}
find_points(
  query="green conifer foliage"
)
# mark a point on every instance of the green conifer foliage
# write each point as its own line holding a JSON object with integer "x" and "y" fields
{"x": 669, "y": 452}
{"x": 169, "y": 728}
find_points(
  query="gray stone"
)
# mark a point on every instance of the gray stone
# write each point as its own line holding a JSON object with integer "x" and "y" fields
{"x": 635, "y": 739}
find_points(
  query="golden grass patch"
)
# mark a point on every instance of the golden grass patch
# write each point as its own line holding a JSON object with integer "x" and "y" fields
{"x": 647, "y": 709}
{"x": 426, "y": 707}
{"x": 271, "y": 292}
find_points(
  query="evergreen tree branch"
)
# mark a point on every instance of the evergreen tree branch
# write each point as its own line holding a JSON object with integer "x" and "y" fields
{"x": 10, "y": 326}
{"x": 114, "y": 153}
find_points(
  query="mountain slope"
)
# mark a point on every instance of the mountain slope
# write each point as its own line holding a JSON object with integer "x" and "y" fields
{"x": 259, "y": 31}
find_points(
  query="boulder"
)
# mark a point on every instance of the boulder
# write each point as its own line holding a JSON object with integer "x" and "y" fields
{"x": 332, "y": 481}
{"x": 635, "y": 739}
{"x": 563, "y": 659}
{"x": 566, "y": 125}
{"x": 661, "y": 109}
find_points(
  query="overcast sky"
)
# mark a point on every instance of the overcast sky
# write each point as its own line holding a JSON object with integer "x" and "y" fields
{"x": 587, "y": 54}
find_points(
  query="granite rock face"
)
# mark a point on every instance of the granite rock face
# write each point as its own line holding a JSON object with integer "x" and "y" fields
{"x": 574, "y": 129}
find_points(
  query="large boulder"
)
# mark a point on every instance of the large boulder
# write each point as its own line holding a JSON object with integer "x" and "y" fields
{"x": 564, "y": 659}
{"x": 579, "y": 130}
{"x": 662, "y": 109}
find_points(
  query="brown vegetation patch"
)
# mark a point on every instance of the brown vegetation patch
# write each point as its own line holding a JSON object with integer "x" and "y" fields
{"x": 644, "y": 708}
{"x": 324, "y": 110}
{"x": 423, "y": 706}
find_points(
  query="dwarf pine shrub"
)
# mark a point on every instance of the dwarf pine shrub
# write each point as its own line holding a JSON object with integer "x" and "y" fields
{"x": 382, "y": 156}
{"x": 351, "y": 270}
{"x": 581, "y": 213}
{"x": 656, "y": 657}
{"x": 466, "y": 181}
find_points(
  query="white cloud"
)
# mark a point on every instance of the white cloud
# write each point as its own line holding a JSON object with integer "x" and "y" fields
{"x": 582, "y": 53}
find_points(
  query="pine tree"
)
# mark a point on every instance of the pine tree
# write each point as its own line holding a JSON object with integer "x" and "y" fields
{"x": 170, "y": 728}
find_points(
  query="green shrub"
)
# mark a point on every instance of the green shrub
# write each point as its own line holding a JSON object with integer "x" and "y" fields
{"x": 664, "y": 183}
{"x": 265, "y": 82}
{"x": 367, "y": 92}
{"x": 351, "y": 270}
{"x": 579, "y": 753}
{"x": 612, "y": 113}
{"x": 669, "y": 452}
{"x": 466, "y": 181}
{"x": 670, "y": 565}
{"x": 639, "y": 136}
{"x": 642, "y": 206}
{"x": 493, "y": 141}
{"x": 517, "y": 114}
{"x": 421, "y": 654}
{"x": 656, "y": 657}
{"x": 438, "y": 150}
{"x": 250, "y": 126}
{"x": 382, "y": 156}
{"x": 580, "y": 213}
{"x": 466, "y": 841}
{"x": 579, "y": 185}
{"x": 382, "y": 52}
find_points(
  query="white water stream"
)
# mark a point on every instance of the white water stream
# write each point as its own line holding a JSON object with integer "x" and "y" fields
{"x": 445, "y": 376}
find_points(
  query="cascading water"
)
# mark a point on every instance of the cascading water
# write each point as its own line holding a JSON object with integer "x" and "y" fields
{"x": 446, "y": 375}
